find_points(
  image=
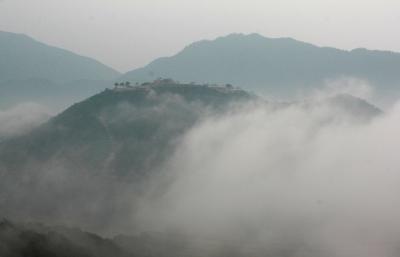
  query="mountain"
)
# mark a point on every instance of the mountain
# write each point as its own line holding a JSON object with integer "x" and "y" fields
{"x": 31, "y": 71}
{"x": 281, "y": 66}
{"x": 114, "y": 125}
{"x": 101, "y": 150}
{"x": 23, "y": 58}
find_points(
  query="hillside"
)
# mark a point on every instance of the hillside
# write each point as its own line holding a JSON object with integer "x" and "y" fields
{"x": 282, "y": 66}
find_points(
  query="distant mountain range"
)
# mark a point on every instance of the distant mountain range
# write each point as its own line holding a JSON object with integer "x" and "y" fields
{"x": 281, "y": 66}
{"x": 23, "y": 58}
{"x": 284, "y": 67}
{"x": 36, "y": 72}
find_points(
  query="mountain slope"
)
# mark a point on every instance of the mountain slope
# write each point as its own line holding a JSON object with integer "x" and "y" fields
{"x": 22, "y": 57}
{"x": 31, "y": 71}
{"x": 114, "y": 123}
{"x": 281, "y": 65}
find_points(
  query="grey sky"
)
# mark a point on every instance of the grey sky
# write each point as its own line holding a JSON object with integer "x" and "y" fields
{"x": 126, "y": 34}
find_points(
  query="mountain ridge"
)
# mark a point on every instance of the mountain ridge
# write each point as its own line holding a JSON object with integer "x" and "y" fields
{"x": 271, "y": 65}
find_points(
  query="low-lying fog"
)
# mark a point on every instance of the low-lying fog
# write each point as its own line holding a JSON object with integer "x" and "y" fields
{"x": 307, "y": 176}
{"x": 21, "y": 118}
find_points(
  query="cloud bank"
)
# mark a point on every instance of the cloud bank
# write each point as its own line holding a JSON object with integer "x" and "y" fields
{"x": 303, "y": 178}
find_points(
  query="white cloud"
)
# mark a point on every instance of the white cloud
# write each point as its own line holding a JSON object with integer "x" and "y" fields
{"x": 306, "y": 179}
{"x": 21, "y": 118}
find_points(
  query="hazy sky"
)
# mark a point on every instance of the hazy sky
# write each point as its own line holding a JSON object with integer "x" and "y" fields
{"x": 130, "y": 33}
